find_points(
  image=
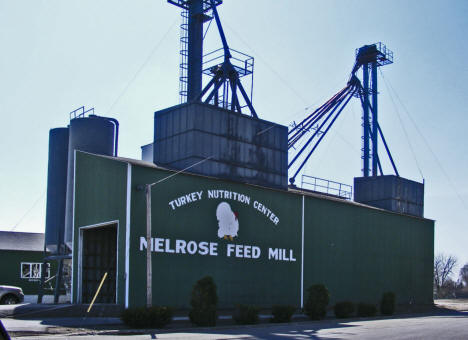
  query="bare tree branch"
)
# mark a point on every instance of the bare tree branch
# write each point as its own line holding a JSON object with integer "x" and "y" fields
{"x": 443, "y": 268}
{"x": 464, "y": 275}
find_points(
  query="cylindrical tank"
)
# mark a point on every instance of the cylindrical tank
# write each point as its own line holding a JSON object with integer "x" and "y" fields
{"x": 93, "y": 134}
{"x": 56, "y": 189}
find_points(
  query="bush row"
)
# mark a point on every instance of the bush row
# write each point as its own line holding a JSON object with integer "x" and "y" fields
{"x": 346, "y": 309}
{"x": 248, "y": 314}
{"x": 143, "y": 317}
{"x": 204, "y": 302}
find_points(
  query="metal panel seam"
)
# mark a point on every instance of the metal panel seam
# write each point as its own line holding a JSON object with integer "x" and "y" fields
{"x": 73, "y": 227}
{"x": 80, "y": 266}
{"x": 117, "y": 299}
{"x": 127, "y": 234}
{"x": 302, "y": 255}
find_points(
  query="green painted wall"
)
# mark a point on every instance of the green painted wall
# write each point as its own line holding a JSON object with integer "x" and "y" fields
{"x": 358, "y": 252}
{"x": 261, "y": 281}
{"x": 100, "y": 197}
{"x": 10, "y": 269}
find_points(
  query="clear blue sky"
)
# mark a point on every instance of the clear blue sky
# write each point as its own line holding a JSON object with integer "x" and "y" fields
{"x": 121, "y": 57}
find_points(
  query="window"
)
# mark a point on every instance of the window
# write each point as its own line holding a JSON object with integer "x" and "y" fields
{"x": 33, "y": 270}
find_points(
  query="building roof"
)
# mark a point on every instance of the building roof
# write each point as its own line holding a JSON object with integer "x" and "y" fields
{"x": 297, "y": 191}
{"x": 12, "y": 240}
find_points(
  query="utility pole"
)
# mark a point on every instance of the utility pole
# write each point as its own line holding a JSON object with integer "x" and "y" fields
{"x": 149, "y": 246}
{"x": 149, "y": 243}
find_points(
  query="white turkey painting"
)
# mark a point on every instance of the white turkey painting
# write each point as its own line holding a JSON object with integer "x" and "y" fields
{"x": 227, "y": 221}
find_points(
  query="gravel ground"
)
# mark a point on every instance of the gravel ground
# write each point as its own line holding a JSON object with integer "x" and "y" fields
{"x": 460, "y": 305}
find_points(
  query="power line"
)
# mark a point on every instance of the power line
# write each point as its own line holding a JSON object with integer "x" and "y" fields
{"x": 178, "y": 172}
{"x": 29, "y": 210}
{"x": 147, "y": 60}
{"x": 285, "y": 83}
{"x": 438, "y": 162}
{"x": 402, "y": 125}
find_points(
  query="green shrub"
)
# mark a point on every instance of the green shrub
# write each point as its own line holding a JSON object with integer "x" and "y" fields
{"x": 143, "y": 317}
{"x": 282, "y": 313}
{"x": 317, "y": 301}
{"x": 387, "y": 304}
{"x": 344, "y": 309}
{"x": 204, "y": 301}
{"x": 246, "y": 314}
{"x": 366, "y": 309}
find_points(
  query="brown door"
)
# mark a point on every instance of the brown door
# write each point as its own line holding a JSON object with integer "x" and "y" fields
{"x": 99, "y": 257}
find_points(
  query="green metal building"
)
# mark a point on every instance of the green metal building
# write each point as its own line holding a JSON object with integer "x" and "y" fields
{"x": 262, "y": 246}
{"x": 22, "y": 256}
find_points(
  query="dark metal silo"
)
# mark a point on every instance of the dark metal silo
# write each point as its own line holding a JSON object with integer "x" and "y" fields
{"x": 56, "y": 189}
{"x": 92, "y": 134}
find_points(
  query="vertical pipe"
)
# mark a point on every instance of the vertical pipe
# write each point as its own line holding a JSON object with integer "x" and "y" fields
{"x": 41, "y": 282}
{"x": 195, "y": 49}
{"x": 375, "y": 156}
{"x": 216, "y": 95}
{"x": 58, "y": 282}
{"x": 365, "y": 74}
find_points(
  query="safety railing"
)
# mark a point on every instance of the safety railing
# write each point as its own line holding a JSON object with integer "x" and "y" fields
{"x": 327, "y": 187}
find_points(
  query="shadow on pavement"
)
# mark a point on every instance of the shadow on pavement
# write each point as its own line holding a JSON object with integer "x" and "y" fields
{"x": 40, "y": 311}
{"x": 104, "y": 320}
{"x": 304, "y": 330}
{"x": 293, "y": 330}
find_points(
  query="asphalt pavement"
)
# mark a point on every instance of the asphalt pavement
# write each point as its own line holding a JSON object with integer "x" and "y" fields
{"x": 454, "y": 326}
{"x": 443, "y": 323}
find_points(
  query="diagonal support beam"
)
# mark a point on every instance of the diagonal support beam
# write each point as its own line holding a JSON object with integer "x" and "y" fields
{"x": 388, "y": 150}
{"x": 317, "y": 131}
{"x": 343, "y": 105}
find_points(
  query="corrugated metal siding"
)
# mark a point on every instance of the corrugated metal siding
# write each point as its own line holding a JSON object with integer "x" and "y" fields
{"x": 147, "y": 153}
{"x": 248, "y": 281}
{"x": 14, "y": 240}
{"x": 11, "y": 269}
{"x": 243, "y": 149}
{"x": 358, "y": 252}
{"x": 391, "y": 193}
{"x": 100, "y": 196}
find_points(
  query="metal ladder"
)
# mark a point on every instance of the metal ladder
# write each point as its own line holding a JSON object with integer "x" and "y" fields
{"x": 183, "y": 77}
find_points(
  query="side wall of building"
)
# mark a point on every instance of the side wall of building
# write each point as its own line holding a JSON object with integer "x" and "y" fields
{"x": 100, "y": 199}
{"x": 193, "y": 212}
{"x": 358, "y": 252}
{"x": 11, "y": 269}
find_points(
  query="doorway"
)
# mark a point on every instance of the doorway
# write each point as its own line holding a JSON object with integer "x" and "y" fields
{"x": 99, "y": 256}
